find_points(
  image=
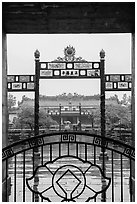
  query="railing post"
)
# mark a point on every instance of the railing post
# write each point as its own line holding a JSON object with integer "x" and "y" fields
{"x": 79, "y": 125}
{"x": 59, "y": 117}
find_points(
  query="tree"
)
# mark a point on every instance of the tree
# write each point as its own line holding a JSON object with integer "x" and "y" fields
{"x": 11, "y": 101}
{"x": 25, "y": 118}
{"x": 115, "y": 97}
{"x": 118, "y": 115}
{"x": 126, "y": 100}
{"x": 115, "y": 115}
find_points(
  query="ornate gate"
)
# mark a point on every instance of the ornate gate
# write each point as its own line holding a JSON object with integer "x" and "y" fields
{"x": 69, "y": 166}
{"x": 75, "y": 165}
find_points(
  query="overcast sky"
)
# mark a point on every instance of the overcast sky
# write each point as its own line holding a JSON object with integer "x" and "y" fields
{"x": 21, "y": 58}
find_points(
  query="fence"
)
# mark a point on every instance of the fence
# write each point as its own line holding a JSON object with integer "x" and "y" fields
{"x": 69, "y": 166}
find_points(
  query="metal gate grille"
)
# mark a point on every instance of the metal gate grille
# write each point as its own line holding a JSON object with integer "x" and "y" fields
{"x": 69, "y": 166}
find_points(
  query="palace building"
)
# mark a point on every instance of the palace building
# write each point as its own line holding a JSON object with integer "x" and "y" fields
{"x": 64, "y": 108}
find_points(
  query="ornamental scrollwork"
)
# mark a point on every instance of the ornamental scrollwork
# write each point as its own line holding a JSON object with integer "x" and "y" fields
{"x": 69, "y": 56}
{"x": 68, "y": 178}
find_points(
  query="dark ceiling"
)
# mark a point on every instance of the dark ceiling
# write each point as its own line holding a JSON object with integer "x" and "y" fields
{"x": 68, "y": 17}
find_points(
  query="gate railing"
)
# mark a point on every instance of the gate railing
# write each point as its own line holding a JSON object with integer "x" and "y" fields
{"x": 69, "y": 166}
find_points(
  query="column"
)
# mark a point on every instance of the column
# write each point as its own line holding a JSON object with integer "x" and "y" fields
{"x": 132, "y": 179}
{"x": 5, "y": 192}
{"x": 103, "y": 156}
{"x": 37, "y": 68}
{"x": 36, "y": 119}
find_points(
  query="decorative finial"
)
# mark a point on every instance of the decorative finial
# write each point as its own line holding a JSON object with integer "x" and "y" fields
{"x": 37, "y": 54}
{"x": 69, "y": 56}
{"x": 102, "y": 54}
{"x": 69, "y": 53}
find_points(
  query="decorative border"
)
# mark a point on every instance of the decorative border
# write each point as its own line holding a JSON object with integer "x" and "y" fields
{"x": 69, "y": 65}
{"x": 7, "y": 153}
{"x": 118, "y": 82}
{"x": 71, "y": 73}
{"x": 35, "y": 142}
{"x": 68, "y": 138}
{"x": 100, "y": 142}
{"x": 69, "y": 70}
{"x": 57, "y": 70}
{"x": 129, "y": 152}
{"x": 21, "y": 82}
{"x": 65, "y": 137}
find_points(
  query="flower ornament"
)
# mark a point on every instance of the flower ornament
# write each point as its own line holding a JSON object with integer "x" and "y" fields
{"x": 69, "y": 56}
{"x": 68, "y": 178}
{"x": 69, "y": 53}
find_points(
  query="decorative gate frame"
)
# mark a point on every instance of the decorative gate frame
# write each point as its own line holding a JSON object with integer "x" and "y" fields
{"x": 70, "y": 67}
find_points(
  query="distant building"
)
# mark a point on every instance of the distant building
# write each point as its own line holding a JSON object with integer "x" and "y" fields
{"x": 67, "y": 107}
